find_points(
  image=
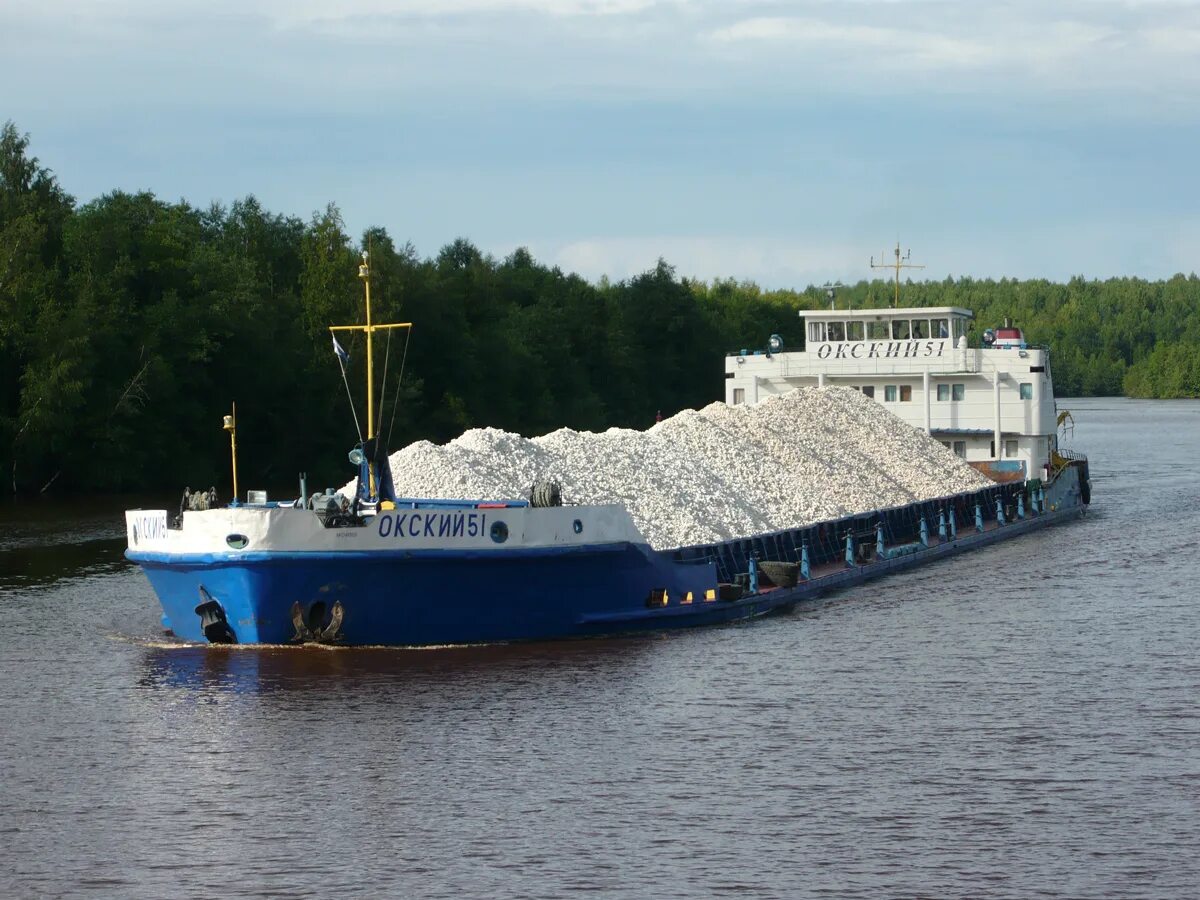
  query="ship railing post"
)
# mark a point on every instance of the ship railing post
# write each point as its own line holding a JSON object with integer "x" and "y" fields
{"x": 999, "y": 511}
{"x": 941, "y": 525}
{"x": 805, "y": 569}
{"x": 924, "y": 532}
{"x": 849, "y": 549}
{"x": 880, "y": 547}
{"x": 978, "y": 516}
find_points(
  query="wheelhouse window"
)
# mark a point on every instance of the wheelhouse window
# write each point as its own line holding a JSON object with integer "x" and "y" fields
{"x": 960, "y": 449}
{"x": 960, "y": 328}
{"x": 939, "y": 328}
{"x": 889, "y": 393}
{"x": 816, "y": 332}
{"x": 958, "y": 391}
{"x": 854, "y": 331}
{"x": 869, "y": 391}
{"x": 943, "y": 392}
{"x": 1010, "y": 449}
{"x": 900, "y": 330}
{"x": 837, "y": 331}
{"x": 877, "y": 331}
{"x": 739, "y": 396}
{"x": 920, "y": 328}
{"x": 1026, "y": 390}
{"x": 905, "y": 393}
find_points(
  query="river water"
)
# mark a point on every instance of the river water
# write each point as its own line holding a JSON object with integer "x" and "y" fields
{"x": 1017, "y": 722}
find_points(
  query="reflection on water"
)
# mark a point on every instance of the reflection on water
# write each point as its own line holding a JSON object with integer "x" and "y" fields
{"x": 262, "y": 670}
{"x": 1016, "y": 722}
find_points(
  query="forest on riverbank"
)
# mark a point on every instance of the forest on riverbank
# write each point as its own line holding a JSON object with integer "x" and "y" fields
{"x": 128, "y": 324}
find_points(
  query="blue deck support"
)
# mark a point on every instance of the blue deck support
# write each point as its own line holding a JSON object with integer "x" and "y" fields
{"x": 953, "y": 525}
{"x": 1021, "y": 505}
{"x": 999, "y": 511}
{"x": 880, "y": 547}
{"x": 924, "y": 532}
{"x": 753, "y": 565}
{"x": 941, "y": 524}
{"x": 805, "y": 568}
{"x": 978, "y": 517}
{"x": 849, "y": 550}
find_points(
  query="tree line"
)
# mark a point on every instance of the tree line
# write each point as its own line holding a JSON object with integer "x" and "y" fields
{"x": 128, "y": 324}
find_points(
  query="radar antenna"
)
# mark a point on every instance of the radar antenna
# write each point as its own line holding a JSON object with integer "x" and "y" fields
{"x": 902, "y": 262}
{"x": 831, "y": 289}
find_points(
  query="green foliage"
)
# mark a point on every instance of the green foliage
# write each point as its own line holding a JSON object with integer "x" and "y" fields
{"x": 129, "y": 325}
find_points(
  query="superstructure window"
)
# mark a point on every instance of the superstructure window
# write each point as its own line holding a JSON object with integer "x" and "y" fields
{"x": 939, "y": 328}
{"x": 816, "y": 332}
{"x": 739, "y": 396}
{"x": 920, "y": 328}
{"x": 1010, "y": 449}
{"x": 854, "y": 331}
{"x": 837, "y": 331}
{"x": 889, "y": 393}
{"x": 960, "y": 449}
{"x": 905, "y": 393}
{"x": 869, "y": 391}
{"x": 960, "y": 328}
{"x": 943, "y": 392}
{"x": 958, "y": 391}
{"x": 900, "y": 329}
{"x": 1026, "y": 390}
{"x": 877, "y": 331}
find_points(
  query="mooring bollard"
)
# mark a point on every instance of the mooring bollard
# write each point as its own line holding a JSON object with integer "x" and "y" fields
{"x": 941, "y": 525}
{"x": 999, "y": 511}
{"x": 924, "y": 533}
{"x": 978, "y": 517}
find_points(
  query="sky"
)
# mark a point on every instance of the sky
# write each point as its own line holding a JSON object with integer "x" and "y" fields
{"x": 781, "y": 142}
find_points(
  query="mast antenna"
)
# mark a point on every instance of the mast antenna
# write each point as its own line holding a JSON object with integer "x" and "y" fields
{"x": 369, "y": 329}
{"x": 831, "y": 289}
{"x": 902, "y": 262}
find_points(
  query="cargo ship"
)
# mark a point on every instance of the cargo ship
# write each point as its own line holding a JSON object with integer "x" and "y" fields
{"x": 377, "y": 569}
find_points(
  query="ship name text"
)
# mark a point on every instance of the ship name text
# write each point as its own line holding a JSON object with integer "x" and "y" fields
{"x": 430, "y": 524}
{"x": 882, "y": 350}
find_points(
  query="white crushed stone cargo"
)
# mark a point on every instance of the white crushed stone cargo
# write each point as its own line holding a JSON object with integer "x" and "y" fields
{"x": 711, "y": 474}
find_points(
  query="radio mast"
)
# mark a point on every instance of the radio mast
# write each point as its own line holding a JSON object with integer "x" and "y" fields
{"x": 902, "y": 262}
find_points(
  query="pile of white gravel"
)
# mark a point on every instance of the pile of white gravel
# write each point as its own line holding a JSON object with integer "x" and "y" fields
{"x": 711, "y": 474}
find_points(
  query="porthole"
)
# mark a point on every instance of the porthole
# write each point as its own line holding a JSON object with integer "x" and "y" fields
{"x": 237, "y": 541}
{"x": 578, "y": 526}
{"x": 499, "y": 532}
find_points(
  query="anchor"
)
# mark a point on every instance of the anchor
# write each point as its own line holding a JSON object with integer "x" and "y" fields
{"x": 309, "y": 628}
{"x": 212, "y": 620}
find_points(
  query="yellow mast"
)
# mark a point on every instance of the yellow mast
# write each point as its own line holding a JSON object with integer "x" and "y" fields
{"x": 364, "y": 272}
{"x": 900, "y": 263}
{"x": 231, "y": 427}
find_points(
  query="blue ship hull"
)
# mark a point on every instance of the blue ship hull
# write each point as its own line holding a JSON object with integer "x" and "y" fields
{"x": 438, "y": 597}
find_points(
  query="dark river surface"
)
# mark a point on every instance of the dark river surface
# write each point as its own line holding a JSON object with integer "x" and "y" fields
{"x": 1017, "y": 722}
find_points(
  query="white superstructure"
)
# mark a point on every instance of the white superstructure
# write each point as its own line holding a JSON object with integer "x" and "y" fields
{"x": 986, "y": 404}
